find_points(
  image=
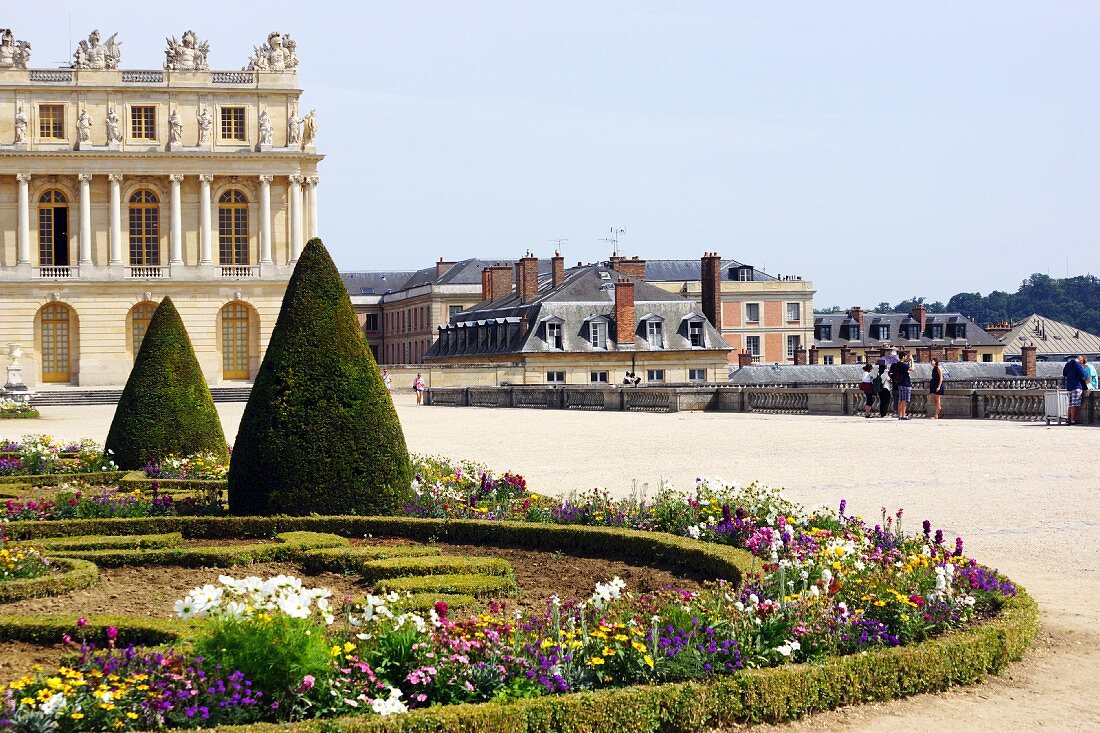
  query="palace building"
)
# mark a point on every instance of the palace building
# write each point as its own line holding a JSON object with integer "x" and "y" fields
{"x": 119, "y": 187}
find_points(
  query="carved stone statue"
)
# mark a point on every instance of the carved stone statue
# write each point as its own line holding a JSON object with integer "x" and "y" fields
{"x": 92, "y": 55}
{"x": 293, "y": 131}
{"x": 84, "y": 126}
{"x": 114, "y": 132}
{"x": 205, "y": 123}
{"x": 309, "y": 129}
{"x": 20, "y": 126}
{"x": 278, "y": 54}
{"x": 13, "y": 54}
{"x": 265, "y": 128}
{"x": 188, "y": 54}
{"x": 175, "y": 128}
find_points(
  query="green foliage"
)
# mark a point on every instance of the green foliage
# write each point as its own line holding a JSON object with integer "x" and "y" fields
{"x": 40, "y": 629}
{"x": 462, "y": 584}
{"x": 166, "y": 407}
{"x": 354, "y": 559}
{"x": 28, "y": 414}
{"x": 289, "y": 547}
{"x": 109, "y": 542}
{"x": 1072, "y": 300}
{"x": 320, "y": 433}
{"x": 70, "y": 575}
{"x": 439, "y": 565}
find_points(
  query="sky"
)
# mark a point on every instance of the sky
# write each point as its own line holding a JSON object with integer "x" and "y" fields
{"x": 881, "y": 150}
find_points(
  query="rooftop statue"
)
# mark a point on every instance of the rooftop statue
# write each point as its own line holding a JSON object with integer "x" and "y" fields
{"x": 309, "y": 129}
{"x": 187, "y": 54}
{"x": 278, "y": 54}
{"x": 93, "y": 55}
{"x": 13, "y": 54}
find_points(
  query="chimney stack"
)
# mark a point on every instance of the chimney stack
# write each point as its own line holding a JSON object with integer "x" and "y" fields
{"x": 1027, "y": 356}
{"x": 711, "y": 285}
{"x": 624, "y": 314}
{"x": 920, "y": 315}
{"x": 969, "y": 354}
{"x": 557, "y": 269}
{"x": 744, "y": 359}
{"x": 528, "y": 286}
{"x": 487, "y": 283}
{"x": 800, "y": 356}
{"x": 856, "y": 314}
{"x": 500, "y": 281}
{"x": 441, "y": 267}
{"x": 812, "y": 356}
{"x": 633, "y": 267}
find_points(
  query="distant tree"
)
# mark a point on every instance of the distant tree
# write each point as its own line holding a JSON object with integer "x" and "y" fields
{"x": 166, "y": 406}
{"x": 1074, "y": 300}
{"x": 830, "y": 309}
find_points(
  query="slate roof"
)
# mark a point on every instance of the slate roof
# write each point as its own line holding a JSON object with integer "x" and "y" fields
{"x": 975, "y": 336}
{"x": 1051, "y": 339}
{"x": 687, "y": 270}
{"x": 587, "y": 294}
{"x": 828, "y": 374}
{"x": 463, "y": 272}
{"x": 374, "y": 283}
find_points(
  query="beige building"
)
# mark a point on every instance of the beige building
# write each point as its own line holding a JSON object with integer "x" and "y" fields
{"x": 118, "y": 187}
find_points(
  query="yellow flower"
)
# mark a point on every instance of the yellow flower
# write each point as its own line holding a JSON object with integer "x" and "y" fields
{"x": 638, "y": 646}
{"x": 27, "y": 701}
{"x": 595, "y": 661}
{"x": 77, "y": 716}
{"x": 132, "y": 715}
{"x": 648, "y": 660}
{"x": 620, "y": 637}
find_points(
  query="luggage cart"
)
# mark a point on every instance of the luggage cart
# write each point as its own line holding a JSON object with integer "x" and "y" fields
{"x": 1056, "y": 406}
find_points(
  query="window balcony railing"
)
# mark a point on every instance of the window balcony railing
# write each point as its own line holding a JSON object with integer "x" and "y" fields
{"x": 147, "y": 272}
{"x": 236, "y": 272}
{"x": 57, "y": 272}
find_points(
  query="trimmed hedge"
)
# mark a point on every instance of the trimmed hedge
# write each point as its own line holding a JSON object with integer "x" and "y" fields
{"x": 424, "y": 602}
{"x": 93, "y": 478}
{"x": 40, "y": 629}
{"x": 398, "y": 567}
{"x": 74, "y": 574}
{"x": 137, "y": 481}
{"x": 166, "y": 407}
{"x": 319, "y": 433}
{"x": 31, "y": 414}
{"x": 465, "y": 584}
{"x": 353, "y": 559}
{"x": 109, "y": 542}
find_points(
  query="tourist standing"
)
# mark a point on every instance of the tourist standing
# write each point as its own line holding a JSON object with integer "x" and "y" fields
{"x": 887, "y": 362}
{"x": 866, "y": 385}
{"x": 936, "y": 389}
{"x": 418, "y": 385}
{"x": 388, "y": 381}
{"x": 882, "y": 389}
{"x": 1074, "y": 375}
{"x": 903, "y": 383}
{"x": 1090, "y": 373}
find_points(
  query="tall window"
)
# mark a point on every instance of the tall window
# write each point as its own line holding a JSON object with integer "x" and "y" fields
{"x": 695, "y": 333}
{"x": 51, "y": 121}
{"x": 235, "y": 337}
{"x": 140, "y": 316}
{"x": 793, "y": 342}
{"x": 597, "y": 334}
{"x": 233, "y": 228}
{"x": 53, "y": 229}
{"x": 752, "y": 312}
{"x": 232, "y": 127}
{"x": 143, "y": 123}
{"x": 55, "y": 350}
{"x": 553, "y": 336}
{"x": 371, "y": 322}
{"x": 453, "y": 310}
{"x": 144, "y": 229}
{"x": 794, "y": 311}
{"x": 654, "y": 333}
{"x": 752, "y": 345}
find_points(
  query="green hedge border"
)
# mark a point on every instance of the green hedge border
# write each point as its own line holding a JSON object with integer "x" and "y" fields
{"x": 769, "y": 695}
{"x": 31, "y": 414}
{"x": 74, "y": 574}
{"x": 34, "y": 480}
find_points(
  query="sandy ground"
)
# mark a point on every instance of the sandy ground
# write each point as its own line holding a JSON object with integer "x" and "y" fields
{"x": 1025, "y": 497}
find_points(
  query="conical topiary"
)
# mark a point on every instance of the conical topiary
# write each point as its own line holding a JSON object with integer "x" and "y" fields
{"x": 166, "y": 406}
{"x": 320, "y": 433}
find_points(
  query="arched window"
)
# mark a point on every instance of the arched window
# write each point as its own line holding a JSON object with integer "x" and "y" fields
{"x": 53, "y": 229}
{"x": 56, "y": 353}
{"x": 144, "y": 229}
{"x": 235, "y": 341}
{"x": 140, "y": 315}
{"x": 233, "y": 228}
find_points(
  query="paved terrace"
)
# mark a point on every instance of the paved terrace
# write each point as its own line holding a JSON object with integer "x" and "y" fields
{"x": 1026, "y": 498}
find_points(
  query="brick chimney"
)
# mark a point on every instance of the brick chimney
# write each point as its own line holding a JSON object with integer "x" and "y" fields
{"x": 969, "y": 354}
{"x": 952, "y": 353}
{"x": 856, "y": 314}
{"x": 920, "y": 315}
{"x": 711, "y": 283}
{"x": 744, "y": 359}
{"x": 800, "y": 356}
{"x": 846, "y": 355}
{"x": 999, "y": 329}
{"x": 922, "y": 354}
{"x": 624, "y": 313}
{"x": 1027, "y": 357}
{"x": 441, "y": 267}
{"x": 529, "y": 284}
{"x": 812, "y": 356}
{"x": 487, "y": 284}
{"x": 633, "y": 267}
{"x": 500, "y": 281}
{"x": 557, "y": 269}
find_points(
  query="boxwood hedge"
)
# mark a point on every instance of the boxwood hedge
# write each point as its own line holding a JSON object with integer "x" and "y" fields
{"x": 71, "y": 574}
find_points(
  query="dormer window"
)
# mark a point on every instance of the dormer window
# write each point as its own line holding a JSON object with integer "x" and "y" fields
{"x": 824, "y": 333}
{"x": 654, "y": 333}
{"x": 597, "y": 334}
{"x": 553, "y": 336}
{"x": 958, "y": 331}
{"x": 695, "y": 334}
{"x": 853, "y": 332}
{"x": 937, "y": 331}
{"x": 881, "y": 332}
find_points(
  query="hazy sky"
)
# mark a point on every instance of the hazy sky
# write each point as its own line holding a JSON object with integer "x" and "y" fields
{"x": 880, "y": 149}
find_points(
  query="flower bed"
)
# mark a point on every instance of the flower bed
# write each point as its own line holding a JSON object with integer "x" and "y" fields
{"x": 12, "y": 410}
{"x": 41, "y": 454}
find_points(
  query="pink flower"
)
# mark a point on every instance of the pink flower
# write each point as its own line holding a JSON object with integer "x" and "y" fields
{"x": 112, "y": 633}
{"x": 81, "y": 622}
{"x": 307, "y": 683}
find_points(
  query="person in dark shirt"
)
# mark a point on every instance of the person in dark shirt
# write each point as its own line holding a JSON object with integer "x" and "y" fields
{"x": 903, "y": 384}
{"x": 936, "y": 389}
{"x": 1074, "y": 375}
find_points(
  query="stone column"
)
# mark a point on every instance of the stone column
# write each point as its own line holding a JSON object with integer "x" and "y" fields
{"x": 265, "y": 221}
{"x": 115, "y": 255}
{"x": 24, "y": 233}
{"x": 311, "y": 202}
{"x": 295, "y": 183}
{"x": 177, "y": 220}
{"x": 85, "y": 252}
{"x": 206, "y": 234}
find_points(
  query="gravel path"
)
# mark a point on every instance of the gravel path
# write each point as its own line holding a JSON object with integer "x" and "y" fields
{"x": 1025, "y": 497}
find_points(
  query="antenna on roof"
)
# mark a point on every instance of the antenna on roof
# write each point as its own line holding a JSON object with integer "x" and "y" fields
{"x": 557, "y": 244}
{"x": 616, "y": 232}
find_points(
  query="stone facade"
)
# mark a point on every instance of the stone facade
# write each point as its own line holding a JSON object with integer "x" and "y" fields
{"x": 118, "y": 187}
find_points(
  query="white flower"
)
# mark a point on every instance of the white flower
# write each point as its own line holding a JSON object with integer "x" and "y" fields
{"x": 788, "y": 648}
{"x": 51, "y": 706}
{"x": 389, "y": 705}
